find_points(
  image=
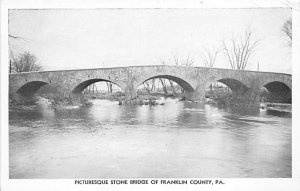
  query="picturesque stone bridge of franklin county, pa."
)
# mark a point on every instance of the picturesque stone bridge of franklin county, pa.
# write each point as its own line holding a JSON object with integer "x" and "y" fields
{"x": 194, "y": 80}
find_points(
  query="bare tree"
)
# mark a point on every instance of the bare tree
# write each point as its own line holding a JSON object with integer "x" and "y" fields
{"x": 153, "y": 87}
{"x": 240, "y": 49}
{"x": 188, "y": 61}
{"x": 26, "y": 62}
{"x": 164, "y": 85}
{"x": 147, "y": 86}
{"x": 209, "y": 57}
{"x": 172, "y": 87}
{"x": 287, "y": 29}
{"x": 109, "y": 86}
{"x": 15, "y": 37}
{"x": 176, "y": 59}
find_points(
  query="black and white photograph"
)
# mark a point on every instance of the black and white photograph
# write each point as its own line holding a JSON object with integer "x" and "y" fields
{"x": 149, "y": 93}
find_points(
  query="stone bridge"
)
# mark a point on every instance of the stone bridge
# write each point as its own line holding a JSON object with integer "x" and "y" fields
{"x": 194, "y": 80}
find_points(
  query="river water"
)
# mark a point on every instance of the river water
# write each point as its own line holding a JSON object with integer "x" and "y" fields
{"x": 178, "y": 139}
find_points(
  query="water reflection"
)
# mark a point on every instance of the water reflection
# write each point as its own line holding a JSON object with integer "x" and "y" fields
{"x": 178, "y": 139}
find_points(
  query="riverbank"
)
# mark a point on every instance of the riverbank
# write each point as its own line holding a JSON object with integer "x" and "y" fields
{"x": 233, "y": 102}
{"x": 58, "y": 102}
{"x": 84, "y": 100}
{"x": 54, "y": 102}
{"x": 152, "y": 99}
{"x": 283, "y": 107}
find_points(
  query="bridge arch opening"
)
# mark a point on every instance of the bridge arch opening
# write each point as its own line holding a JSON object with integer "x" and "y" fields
{"x": 225, "y": 87}
{"x": 234, "y": 85}
{"x": 277, "y": 92}
{"x": 167, "y": 85}
{"x": 97, "y": 86}
{"x": 30, "y": 88}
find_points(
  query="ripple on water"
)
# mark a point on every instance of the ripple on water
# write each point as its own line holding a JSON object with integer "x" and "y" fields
{"x": 196, "y": 141}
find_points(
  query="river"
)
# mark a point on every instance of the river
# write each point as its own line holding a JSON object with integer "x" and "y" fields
{"x": 175, "y": 140}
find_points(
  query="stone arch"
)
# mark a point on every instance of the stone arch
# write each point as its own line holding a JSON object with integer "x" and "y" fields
{"x": 279, "y": 92}
{"x": 234, "y": 84}
{"x": 30, "y": 88}
{"x": 81, "y": 86}
{"x": 185, "y": 85}
{"x": 189, "y": 91}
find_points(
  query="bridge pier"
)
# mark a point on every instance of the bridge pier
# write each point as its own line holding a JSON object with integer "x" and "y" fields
{"x": 130, "y": 94}
{"x": 197, "y": 96}
{"x": 130, "y": 90}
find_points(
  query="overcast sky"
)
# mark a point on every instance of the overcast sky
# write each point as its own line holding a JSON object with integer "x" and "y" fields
{"x": 73, "y": 39}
